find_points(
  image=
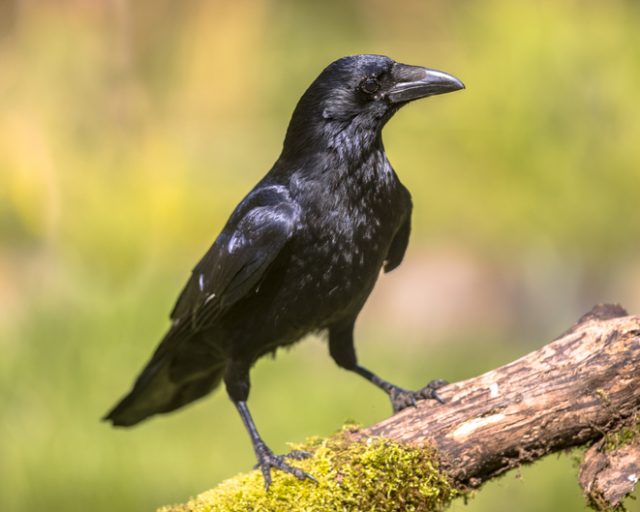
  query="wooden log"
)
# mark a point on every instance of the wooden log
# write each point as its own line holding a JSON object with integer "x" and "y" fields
{"x": 570, "y": 392}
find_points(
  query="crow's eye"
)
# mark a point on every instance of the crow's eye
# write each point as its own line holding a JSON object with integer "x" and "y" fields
{"x": 370, "y": 85}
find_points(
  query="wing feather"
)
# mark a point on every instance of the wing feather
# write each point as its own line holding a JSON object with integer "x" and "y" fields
{"x": 236, "y": 262}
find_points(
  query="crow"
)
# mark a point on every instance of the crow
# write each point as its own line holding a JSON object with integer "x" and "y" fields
{"x": 299, "y": 254}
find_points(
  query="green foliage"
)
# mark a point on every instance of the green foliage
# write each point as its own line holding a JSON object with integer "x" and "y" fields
{"x": 367, "y": 475}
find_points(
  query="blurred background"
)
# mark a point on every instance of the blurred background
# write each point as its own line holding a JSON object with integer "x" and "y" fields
{"x": 128, "y": 132}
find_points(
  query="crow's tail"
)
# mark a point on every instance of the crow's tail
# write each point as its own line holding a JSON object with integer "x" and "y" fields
{"x": 170, "y": 380}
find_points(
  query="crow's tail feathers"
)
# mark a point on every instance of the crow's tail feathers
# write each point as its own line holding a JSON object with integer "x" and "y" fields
{"x": 160, "y": 395}
{"x": 168, "y": 382}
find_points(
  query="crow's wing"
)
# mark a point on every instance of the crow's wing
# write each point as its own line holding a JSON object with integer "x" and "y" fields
{"x": 237, "y": 261}
{"x": 398, "y": 246}
{"x": 233, "y": 267}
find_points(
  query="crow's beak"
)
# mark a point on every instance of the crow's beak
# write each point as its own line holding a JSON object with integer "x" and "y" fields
{"x": 414, "y": 82}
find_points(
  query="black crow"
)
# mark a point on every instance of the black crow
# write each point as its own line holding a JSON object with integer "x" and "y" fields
{"x": 299, "y": 254}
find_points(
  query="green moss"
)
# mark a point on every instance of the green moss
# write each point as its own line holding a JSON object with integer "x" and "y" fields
{"x": 622, "y": 436}
{"x": 363, "y": 475}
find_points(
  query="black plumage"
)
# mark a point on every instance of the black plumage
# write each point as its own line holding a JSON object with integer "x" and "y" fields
{"x": 300, "y": 253}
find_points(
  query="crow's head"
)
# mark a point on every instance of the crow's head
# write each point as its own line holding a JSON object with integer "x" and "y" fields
{"x": 355, "y": 96}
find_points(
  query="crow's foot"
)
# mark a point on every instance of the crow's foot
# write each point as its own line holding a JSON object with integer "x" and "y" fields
{"x": 402, "y": 398}
{"x": 297, "y": 455}
{"x": 267, "y": 460}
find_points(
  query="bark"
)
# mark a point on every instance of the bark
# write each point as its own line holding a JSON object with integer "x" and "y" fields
{"x": 608, "y": 476}
{"x": 581, "y": 388}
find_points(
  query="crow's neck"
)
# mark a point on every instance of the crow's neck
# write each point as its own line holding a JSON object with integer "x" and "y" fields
{"x": 345, "y": 143}
{"x": 339, "y": 162}
{"x": 353, "y": 142}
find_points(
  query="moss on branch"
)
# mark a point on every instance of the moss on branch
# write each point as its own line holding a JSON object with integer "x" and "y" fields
{"x": 368, "y": 474}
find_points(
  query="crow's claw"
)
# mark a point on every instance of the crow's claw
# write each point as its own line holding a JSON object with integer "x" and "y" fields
{"x": 402, "y": 398}
{"x": 267, "y": 460}
{"x": 430, "y": 391}
{"x": 297, "y": 455}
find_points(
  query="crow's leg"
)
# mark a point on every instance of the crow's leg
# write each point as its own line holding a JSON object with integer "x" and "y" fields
{"x": 236, "y": 379}
{"x": 402, "y": 398}
{"x": 343, "y": 353}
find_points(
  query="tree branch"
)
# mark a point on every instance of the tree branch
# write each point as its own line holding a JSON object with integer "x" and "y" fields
{"x": 582, "y": 388}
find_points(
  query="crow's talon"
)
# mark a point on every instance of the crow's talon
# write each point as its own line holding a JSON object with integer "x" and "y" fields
{"x": 298, "y": 455}
{"x": 437, "y": 397}
{"x": 437, "y": 383}
{"x": 401, "y": 398}
{"x": 430, "y": 391}
{"x": 267, "y": 460}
